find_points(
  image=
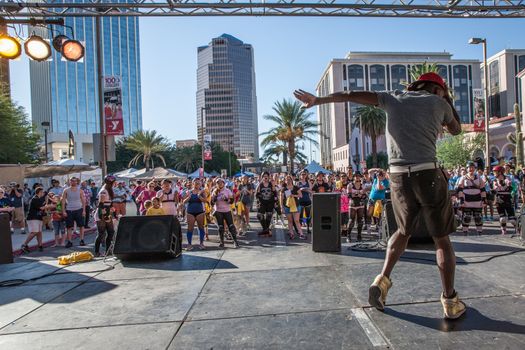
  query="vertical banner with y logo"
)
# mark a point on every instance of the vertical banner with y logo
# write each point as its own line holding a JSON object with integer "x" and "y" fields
{"x": 113, "y": 105}
{"x": 207, "y": 147}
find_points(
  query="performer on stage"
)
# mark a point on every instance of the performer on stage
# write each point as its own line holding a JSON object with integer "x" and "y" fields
{"x": 415, "y": 118}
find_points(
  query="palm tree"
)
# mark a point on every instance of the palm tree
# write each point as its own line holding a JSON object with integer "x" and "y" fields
{"x": 373, "y": 122}
{"x": 419, "y": 69}
{"x": 147, "y": 144}
{"x": 292, "y": 124}
{"x": 273, "y": 152}
{"x": 188, "y": 158}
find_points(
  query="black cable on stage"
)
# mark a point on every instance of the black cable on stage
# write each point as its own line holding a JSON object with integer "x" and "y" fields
{"x": 380, "y": 246}
{"x": 19, "y": 281}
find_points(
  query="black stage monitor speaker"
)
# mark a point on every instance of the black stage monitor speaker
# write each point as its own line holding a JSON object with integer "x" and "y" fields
{"x": 148, "y": 236}
{"x": 6, "y": 246}
{"x": 326, "y": 222}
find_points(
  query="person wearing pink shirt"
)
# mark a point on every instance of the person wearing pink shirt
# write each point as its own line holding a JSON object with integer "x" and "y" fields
{"x": 222, "y": 198}
{"x": 148, "y": 194}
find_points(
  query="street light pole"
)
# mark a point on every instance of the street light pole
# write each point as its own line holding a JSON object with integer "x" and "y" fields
{"x": 486, "y": 91}
{"x": 230, "y": 155}
{"x": 475, "y": 41}
{"x": 202, "y": 135}
{"x": 100, "y": 76}
{"x": 45, "y": 125}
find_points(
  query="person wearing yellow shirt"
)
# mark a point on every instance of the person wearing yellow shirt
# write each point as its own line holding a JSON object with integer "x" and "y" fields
{"x": 156, "y": 209}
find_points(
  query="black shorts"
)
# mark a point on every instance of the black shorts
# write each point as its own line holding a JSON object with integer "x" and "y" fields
{"x": 422, "y": 198}
{"x": 75, "y": 216}
{"x": 195, "y": 214}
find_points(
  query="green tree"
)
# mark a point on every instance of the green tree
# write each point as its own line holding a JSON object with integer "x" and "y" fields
{"x": 382, "y": 160}
{"x": 221, "y": 159}
{"x": 146, "y": 144}
{"x": 292, "y": 123}
{"x": 187, "y": 159}
{"x": 373, "y": 122}
{"x": 454, "y": 151}
{"x": 419, "y": 69}
{"x": 122, "y": 158}
{"x": 21, "y": 142}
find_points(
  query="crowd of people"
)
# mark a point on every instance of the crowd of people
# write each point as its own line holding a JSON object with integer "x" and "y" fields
{"x": 226, "y": 203}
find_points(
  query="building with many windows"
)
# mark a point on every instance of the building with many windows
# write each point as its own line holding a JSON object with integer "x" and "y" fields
{"x": 504, "y": 84}
{"x": 226, "y": 95}
{"x": 65, "y": 94}
{"x": 342, "y": 144}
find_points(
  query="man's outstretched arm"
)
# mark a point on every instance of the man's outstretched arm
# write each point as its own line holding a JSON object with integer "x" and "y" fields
{"x": 360, "y": 97}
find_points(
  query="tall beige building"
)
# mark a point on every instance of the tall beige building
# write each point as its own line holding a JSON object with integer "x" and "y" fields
{"x": 226, "y": 95}
{"x": 341, "y": 144}
{"x": 504, "y": 85}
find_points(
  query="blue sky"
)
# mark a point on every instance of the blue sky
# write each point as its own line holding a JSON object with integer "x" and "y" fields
{"x": 290, "y": 53}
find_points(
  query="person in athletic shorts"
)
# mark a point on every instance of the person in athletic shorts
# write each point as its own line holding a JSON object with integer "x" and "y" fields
{"x": 414, "y": 120}
{"x": 195, "y": 213}
{"x": 305, "y": 202}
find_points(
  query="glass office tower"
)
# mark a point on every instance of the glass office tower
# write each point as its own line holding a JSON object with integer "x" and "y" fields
{"x": 65, "y": 94}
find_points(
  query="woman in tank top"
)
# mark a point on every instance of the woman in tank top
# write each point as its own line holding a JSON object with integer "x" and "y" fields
{"x": 195, "y": 212}
{"x": 169, "y": 198}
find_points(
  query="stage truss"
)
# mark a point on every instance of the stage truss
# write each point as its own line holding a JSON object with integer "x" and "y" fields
{"x": 290, "y": 8}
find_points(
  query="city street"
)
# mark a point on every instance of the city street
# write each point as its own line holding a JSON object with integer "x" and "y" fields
{"x": 272, "y": 293}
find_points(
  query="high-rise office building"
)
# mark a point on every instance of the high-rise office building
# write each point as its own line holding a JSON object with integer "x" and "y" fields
{"x": 65, "y": 94}
{"x": 226, "y": 96}
{"x": 341, "y": 143}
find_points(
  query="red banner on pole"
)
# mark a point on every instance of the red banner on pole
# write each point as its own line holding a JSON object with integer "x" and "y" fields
{"x": 114, "y": 127}
{"x": 479, "y": 125}
{"x": 113, "y": 117}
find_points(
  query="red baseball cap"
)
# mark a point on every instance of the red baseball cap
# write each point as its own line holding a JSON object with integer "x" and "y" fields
{"x": 433, "y": 78}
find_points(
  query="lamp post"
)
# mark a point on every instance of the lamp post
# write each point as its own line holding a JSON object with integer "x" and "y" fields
{"x": 476, "y": 41}
{"x": 202, "y": 135}
{"x": 45, "y": 125}
{"x": 230, "y": 146}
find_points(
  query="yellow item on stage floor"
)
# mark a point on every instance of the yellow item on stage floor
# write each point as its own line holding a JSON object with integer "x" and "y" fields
{"x": 75, "y": 257}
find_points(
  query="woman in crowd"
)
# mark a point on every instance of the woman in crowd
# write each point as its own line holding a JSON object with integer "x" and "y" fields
{"x": 222, "y": 198}
{"x": 5, "y": 204}
{"x": 37, "y": 207}
{"x": 169, "y": 198}
{"x": 289, "y": 201}
{"x": 57, "y": 220}
{"x": 358, "y": 197}
{"x": 245, "y": 192}
{"x": 146, "y": 195}
{"x": 343, "y": 208}
{"x": 305, "y": 202}
{"x": 195, "y": 213}
{"x": 105, "y": 214}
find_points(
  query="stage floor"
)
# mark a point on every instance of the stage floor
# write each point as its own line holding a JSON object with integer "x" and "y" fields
{"x": 272, "y": 293}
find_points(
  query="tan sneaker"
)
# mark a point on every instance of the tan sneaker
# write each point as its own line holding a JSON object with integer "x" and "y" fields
{"x": 453, "y": 307}
{"x": 378, "y": 291}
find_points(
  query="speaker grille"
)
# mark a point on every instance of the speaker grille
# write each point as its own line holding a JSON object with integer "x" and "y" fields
{"x": 147, "y": 235}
